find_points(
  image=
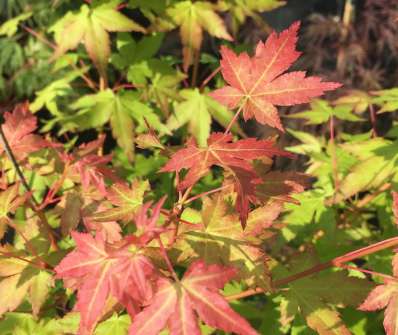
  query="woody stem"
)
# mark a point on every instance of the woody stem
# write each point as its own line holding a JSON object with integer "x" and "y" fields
{"x": 335, "y": 262}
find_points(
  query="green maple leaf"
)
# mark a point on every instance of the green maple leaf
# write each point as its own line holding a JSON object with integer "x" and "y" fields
{"x": 19, "y": 279}
{"x": 197, "y": 111}
{"x": 10, "y": 27}
{"x": 115, "y": 325}
{"x": 91, "y": 26}
{"x": 158, "y": 81}
{"x": 321, "y": 112}
{"x": 120, "y": 109}
{"x": 316, "y": 297}
{"x": 49, "y": 95}
{"x": 244, "y": 8}
{"x": 221, "y": 240}
{"x": 132, "y": 52}
{"x": 193, "y": 18}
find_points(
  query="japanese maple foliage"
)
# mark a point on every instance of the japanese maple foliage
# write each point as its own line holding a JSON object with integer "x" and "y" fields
{"x": 177, "y": 304}
{"x": 166, "y": 242}
{"x": 257, "y": 84}
{"x": 234, "y": 157}
{"x": 98, "y": 270}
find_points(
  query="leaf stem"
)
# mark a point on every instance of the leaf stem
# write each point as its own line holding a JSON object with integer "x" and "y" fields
{"x": 195, "y": 67}
{"x": 167, "y": 259}
{"x": 11, "y": 255}
{"x": 206, "y": 193}
{"x": 373, "y": 120}
{"x": 209, "y": 77}
{"x": 88, "y": 81}
{"x": 335, "y": 262}
{"x": 334, "y": 156}
{"x": 373, "y": 273}
{"x": 231, "y": 123}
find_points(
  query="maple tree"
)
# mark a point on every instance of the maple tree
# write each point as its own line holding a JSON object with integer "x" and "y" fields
{"x": 137, "y": 201}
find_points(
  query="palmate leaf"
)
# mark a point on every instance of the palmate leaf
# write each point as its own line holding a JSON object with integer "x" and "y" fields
{"x": 20, "y": 280}
{"x": 120, "y": 110}
{"x": 193, "y": 18}
{"x": 127, "y": 201}
{"x": 98, "y": 270}
{"x": 385, "y": 296}
{"x": 179, "y": 304}
{"x": 220, "y": 239}
{"x": 234, "y": 157}
{"x": 321, "y": 112}
{"x": 10, "y": 27}
{"x": 258, "y": 84}
{"x": 18, "y": 129}
{"x": 197, "y": 111}
{"x": 91, "y": 26}
{"x": 158, "y": 81}
{"x": 243, "y": 8}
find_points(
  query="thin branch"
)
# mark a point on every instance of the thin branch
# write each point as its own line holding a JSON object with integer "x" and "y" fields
{"x": 210, "y": 77}
{"x": 195, "y": 67}
{"x": 14, "y": 162}
{"x": 369, "y": 198}
{"x": 167, "y": 259}
{"x": 198, "y": 196}
{"x": 34, "y": 205}
{"x": 335, "y": 262}
{"x": 53, "y": 46}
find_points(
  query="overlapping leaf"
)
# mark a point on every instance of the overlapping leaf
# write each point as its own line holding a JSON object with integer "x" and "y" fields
{"x": 258, "y": 84}
{"x": 120, "y": 110}
{"x": 198, "y": 110}
{"x": 10, "y": 200}
{"x": 127, "y": 201}
{"x": 18, "y": 129}
{"x": 234, "y": 157}
{"x": 220, "y": 240}
{"x": 193, "y": 18}
{"x": 178, "y": 305}
{"x": 321, "y": 112}
{"x": 98, "y": 270}
{"x": 91, "y": 26}
{"x": 20, "y": 279}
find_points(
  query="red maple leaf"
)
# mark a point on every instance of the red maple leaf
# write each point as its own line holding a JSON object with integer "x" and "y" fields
{"x": 385, "y": 296}
{"x": 179, "y": 304}
{"x": 259, "y": 83}
{"x": 18, "y": 129}
{"x": 98, "y": 270}
{"x": 234, "y": 157}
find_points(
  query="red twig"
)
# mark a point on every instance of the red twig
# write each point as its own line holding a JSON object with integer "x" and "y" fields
{"x": 335, "y": 262}
{"x": 167, "y": 260}
{"x": 373, "y": 120}
{"x": 210, "y": 77}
